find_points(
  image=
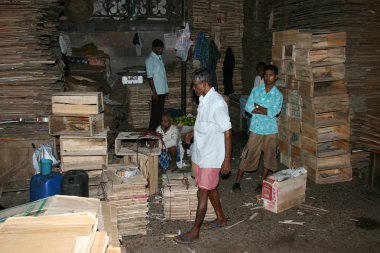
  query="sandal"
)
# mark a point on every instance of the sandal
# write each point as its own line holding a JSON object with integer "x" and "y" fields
{"x": 212, "y": 225}
{"x": 182, "y": 239}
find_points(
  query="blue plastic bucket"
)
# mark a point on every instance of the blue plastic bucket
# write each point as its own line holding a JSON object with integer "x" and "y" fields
{"x": 46, "y": 166}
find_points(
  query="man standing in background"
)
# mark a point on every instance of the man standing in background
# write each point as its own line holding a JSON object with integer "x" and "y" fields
{"x": 156, "y": 74}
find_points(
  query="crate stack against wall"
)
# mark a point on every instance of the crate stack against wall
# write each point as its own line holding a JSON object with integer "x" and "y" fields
{"x": 320, "y": 71}
{"x": 78, "y": 119}
{"x": 289, "y": 120}
{"x": 316, "y": 127}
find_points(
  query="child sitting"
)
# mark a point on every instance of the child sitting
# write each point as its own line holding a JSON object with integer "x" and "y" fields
{"x": 171, "y": 138}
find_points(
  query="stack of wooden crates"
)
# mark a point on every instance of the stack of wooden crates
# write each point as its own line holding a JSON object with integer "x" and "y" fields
{"x": 78, "y": 119}
{"x": 314, "y": 128}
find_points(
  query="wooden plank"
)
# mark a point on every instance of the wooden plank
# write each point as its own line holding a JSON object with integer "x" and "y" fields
{"x": 77, "y": 103}
{"x": 81, "y": 146}
{"x": 320, "y": 73}
{"x": 80, "y": 125}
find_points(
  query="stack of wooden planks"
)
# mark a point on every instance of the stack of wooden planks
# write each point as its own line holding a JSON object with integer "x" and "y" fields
{"x": 317, "y": 127}
{"x": 58, "y": 224}
{"x": 366, "y": 132}
{"x": 179, "y": 197}
{"x": 29, "y": 72}
{"x": 126, "y": 190}
{"x": 222, "y": 19}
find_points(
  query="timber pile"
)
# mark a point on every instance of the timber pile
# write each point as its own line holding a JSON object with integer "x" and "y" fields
{"x": 316, "y": 130}
{"x": 179, "y": 197}
{"x": 367, "y": 131}
{"x": 360, "y": 162}
{"x": 29, "y": 73}
{"x": 59, "y": 224}
{"x": 224, "y": 19}
{"x": 129, "y": 196}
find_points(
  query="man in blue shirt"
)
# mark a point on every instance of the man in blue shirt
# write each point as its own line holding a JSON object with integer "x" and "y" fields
{"x": 264, "y": 103}
{"x": 156, "y": 74}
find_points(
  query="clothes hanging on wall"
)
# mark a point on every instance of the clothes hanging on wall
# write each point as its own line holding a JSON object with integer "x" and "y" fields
{"x": 138, "y": 44}
{"x": 214, "y": 56}
{"x": 228, "y": 71}
{"x": 201, "y": 50}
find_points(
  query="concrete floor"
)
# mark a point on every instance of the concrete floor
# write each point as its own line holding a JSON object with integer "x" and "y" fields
{"x": 351, "y": 222}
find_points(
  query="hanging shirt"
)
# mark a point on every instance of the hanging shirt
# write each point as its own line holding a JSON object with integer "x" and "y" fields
{"x": 260, "y": 123}
{"x": 211, "y": 123}
{"x": 155, "y": 68}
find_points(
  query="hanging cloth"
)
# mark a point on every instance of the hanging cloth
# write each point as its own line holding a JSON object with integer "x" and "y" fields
{"x": 138, "y": 44}
{"x": 214, "y": 56}
{"x": 228, "y": 71}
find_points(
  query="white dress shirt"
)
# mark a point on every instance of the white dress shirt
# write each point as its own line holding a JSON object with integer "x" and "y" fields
{"x": 211, "y": 123}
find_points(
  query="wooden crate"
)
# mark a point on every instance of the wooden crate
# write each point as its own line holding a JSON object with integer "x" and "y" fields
{"x": 325, "y": 119}
{"x": 129, "y": 143}
{"x": 326, "y": 163}
{"x": 292, "y": 83}
{"x": 148, "y": 164}
{"x": 320, "y": 40}
{"x": 294, "y": 110}
{"x": 329, "y": 176}
{"x": 280, "y": 64}
{"x": 77, "y": 103}
{"x": 295, "y": 157}
{"x": 79, "y": 145}
{"x": 294, "y": 125}
{"x": 294, "y": 97}
{"x": 320, "y": 57}
{"x": 316, "y": 89}
{"x": 283, "y": 134}
{"x": 295, "y": 139}
{"x": 324, "y": 134}
{"x": 289, "y": 67}
{"x": 84, "y": 162}
{"x": 287, "y": 37}
{"x": 278, "y": 52}
{"x": 325, "y": 149}
{"x": 281, "y": 196}
{"x": 320, "y": 73}
{"x": 79, "y": 125}
{"x": 330, "y": 103}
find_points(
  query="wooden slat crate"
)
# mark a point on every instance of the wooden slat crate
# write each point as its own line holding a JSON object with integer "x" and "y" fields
{"x": 320, "y": 40}
{"x": 79, "y": 125}
{"x": 329, "y": 103}
{"x": 285, "y": 37}
{"x": 295, "y": 139}
{"x": 292, "y": 83}
{"x": 79, "y": 145}
{"x": 324, "y": 149}
{"x": 77, "y": 103}
{"x": 295, "y": 157}
{"x": 283, "y": 134}
{"x": 84, "y": 162}
{"x": 324, "y": 134}
{"x": 285, "y": 160}
{"x": 294, "y": 97}
{"x": 329, "y": 176}
{"x": 148, "y": 165}
{"x": 320, "y": 73}
{"x": 320, "y": 57}
{"x": 294, "y": 125}
{"x": 326, "y": 163}
{"x": 325, "y": 119}
{"x": 316, "y": 89}
{"x": 128, "y": 143}
{"x": 294, "y": 110}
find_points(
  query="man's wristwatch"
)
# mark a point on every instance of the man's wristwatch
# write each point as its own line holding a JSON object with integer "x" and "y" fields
{"x": 257, "y": 107}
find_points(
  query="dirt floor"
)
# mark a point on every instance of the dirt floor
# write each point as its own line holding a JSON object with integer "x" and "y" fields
{"x": 349, "y": 221}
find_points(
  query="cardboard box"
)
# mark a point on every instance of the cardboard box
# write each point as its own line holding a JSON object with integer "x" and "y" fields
{"x": 281, "y": 196}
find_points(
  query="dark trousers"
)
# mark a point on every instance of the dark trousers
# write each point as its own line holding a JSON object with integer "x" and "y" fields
{"x": 156, "y": 111}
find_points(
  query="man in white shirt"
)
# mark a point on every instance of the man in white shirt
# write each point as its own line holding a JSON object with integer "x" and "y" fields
{"x": 211, "y": 152}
